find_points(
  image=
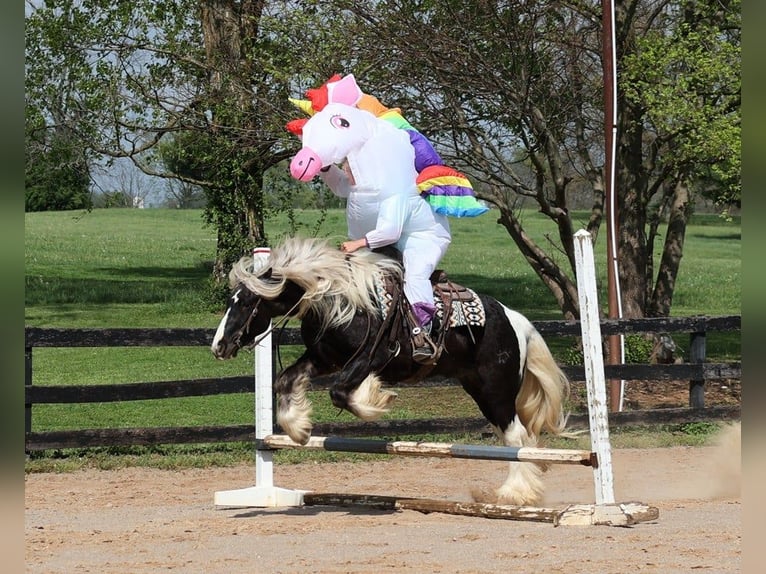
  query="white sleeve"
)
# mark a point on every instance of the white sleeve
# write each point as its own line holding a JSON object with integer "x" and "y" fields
{"x": 391, "y": 218}
{"x": 337, "y": 180}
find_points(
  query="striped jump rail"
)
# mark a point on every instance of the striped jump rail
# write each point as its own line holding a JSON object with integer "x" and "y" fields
{"x": 434, "y": 449}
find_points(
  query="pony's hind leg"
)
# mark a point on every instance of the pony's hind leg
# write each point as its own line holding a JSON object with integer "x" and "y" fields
{"x": 524, "y": 484}
{"x": 293, "y": 405}
{"x": 539, "y": 407}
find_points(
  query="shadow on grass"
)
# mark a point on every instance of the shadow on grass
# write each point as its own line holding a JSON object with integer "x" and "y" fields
{"x": 157, "y": 284}
{"x": 40, "y": 290}
{"x": 147, "y": 284}
{"x": 716, "y": 238}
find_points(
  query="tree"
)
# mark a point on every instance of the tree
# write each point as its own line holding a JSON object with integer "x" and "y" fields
{"x": 512, "y": 93}
{"x": 57, "y": 175}
{"x": 123, "y": 186}
{"x": 212, "y": 76}
{"x": 681, "y": 107}
{"x": 181, "y": 195}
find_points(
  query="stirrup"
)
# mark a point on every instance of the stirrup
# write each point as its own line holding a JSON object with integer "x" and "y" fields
{"x": 424, "y": 350}
{"x": 422, "y": 353}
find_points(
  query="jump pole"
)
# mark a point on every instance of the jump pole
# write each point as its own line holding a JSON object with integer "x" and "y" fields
{"x": 435, "y": 449}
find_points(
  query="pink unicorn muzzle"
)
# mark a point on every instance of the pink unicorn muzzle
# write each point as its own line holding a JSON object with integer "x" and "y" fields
{"x": 305, "y": 165}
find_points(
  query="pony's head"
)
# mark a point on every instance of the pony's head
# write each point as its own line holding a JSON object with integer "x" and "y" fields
{"x": 240, "y": 324}
{"x": 300, "y": 276}
{"x": 329, "y": 137}
{"x": 249, "y": 309}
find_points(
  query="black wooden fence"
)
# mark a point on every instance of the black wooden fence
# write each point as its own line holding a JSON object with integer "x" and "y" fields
{"x": 696, "y": 371}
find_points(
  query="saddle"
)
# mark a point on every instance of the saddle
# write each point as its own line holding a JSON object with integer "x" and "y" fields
{"x": 447, "y": 290}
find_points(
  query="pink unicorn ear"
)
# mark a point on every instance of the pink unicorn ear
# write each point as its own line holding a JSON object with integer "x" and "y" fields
{"x": 344, "y": 91}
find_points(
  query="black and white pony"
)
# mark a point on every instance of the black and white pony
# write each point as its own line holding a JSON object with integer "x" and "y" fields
{"x": 502, "y": 363}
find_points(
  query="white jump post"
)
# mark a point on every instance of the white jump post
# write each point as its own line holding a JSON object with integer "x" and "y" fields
{"x": 264, "y": 493}
{"x": 593, "y": 356}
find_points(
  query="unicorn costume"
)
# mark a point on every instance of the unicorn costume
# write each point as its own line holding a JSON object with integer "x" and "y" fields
{"x": 383, "y": 203}
{"x": 447, "y": 190}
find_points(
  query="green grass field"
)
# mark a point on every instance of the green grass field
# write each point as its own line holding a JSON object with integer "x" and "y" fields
{"x": 149, "y": 268}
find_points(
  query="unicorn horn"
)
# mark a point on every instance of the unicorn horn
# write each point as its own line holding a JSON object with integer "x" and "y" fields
{"x": 304, "y": 105}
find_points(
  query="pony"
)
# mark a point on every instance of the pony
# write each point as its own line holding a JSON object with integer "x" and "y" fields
{"x": 351, "y": 308}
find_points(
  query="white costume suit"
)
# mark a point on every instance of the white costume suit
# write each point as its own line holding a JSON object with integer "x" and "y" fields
{"x": 384, "y": 206}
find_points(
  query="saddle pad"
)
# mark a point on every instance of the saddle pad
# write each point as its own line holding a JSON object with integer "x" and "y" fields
{"x": 465, "y": 312}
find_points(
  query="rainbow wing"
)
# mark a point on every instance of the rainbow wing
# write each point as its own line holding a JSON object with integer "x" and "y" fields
{"x": 449, "y": 192}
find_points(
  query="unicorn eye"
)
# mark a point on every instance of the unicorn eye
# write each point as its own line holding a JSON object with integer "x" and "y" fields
{"x": 339, "y": 122}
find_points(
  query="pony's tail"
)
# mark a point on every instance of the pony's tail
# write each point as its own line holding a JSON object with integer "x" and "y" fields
{"x": 544, "y": 390}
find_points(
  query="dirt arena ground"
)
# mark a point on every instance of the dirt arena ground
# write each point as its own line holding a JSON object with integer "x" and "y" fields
{"x": 142, "y": 520}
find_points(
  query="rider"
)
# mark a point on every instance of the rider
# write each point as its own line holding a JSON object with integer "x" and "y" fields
{"x": 404, "y": 220}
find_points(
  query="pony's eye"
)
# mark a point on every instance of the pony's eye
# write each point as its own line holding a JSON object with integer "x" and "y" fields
{"x": 339, "y": 122}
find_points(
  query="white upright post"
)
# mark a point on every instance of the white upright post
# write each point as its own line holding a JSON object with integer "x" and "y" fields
{"x": 264, "y": 493}
{"x": 594, "y": 366}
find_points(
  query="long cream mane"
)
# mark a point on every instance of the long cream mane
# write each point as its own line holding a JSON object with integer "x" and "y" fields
{"x": 335, "y": 285}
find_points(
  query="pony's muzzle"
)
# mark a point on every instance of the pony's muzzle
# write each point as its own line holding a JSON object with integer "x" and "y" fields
{"x": 223, "y": 351}
{"x": 305, "y": 165}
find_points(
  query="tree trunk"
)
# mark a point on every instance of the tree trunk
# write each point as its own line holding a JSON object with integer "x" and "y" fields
{"x": 228, "y": 27}
{"x": 631, "y": 194}
{"x": 672, "y": 252}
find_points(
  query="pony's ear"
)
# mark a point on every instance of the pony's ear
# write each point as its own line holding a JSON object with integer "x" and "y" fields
{"x": 344, "y": 91}
{"x": 296, "y": 126}
{"x": 269, "y": 277}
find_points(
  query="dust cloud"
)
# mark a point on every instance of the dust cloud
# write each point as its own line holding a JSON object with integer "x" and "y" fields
{"x": 725, "y": 479}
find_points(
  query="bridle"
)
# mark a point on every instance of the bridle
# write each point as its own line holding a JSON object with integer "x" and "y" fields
{"x": 241, "y": 331}
{"x": 274, "y": 325}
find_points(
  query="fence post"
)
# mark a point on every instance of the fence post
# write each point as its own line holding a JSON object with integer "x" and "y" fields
{"x": 697, "y": 354}
{"x": 27, "y": 384}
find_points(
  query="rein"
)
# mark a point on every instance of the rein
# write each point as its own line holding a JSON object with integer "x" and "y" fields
{"x": 393, "y": 352}
{"x": 246, "y": 324}
{"x": 391, "y": 325}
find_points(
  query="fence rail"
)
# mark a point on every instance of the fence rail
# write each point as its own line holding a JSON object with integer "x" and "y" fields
{"x": 696, "y": 372}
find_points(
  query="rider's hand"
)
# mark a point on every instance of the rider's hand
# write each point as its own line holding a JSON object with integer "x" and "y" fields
{"x": 353, "y": 245}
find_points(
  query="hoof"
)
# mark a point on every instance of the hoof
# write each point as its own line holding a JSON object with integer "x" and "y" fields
{"x": 297, "y": 433}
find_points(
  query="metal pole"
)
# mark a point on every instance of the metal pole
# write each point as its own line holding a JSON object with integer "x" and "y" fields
{"x": 616, "y": 346}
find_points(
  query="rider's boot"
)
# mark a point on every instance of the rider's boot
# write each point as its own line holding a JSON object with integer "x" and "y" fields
{"x": 424, "y": 349}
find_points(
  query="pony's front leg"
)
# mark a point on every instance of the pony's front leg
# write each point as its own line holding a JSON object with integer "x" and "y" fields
{"x": 358, "y": 390}
{"x": 293, "y": 405}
